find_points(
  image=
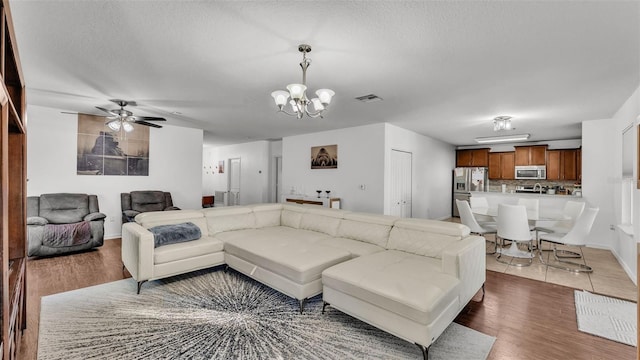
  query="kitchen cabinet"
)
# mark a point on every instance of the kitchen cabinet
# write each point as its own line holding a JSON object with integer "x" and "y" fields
{"x": 563, "y": 165}
{"x": 530, "y": 155}
{"x": 501, "y": 165}
{"x": 472, "y": 157}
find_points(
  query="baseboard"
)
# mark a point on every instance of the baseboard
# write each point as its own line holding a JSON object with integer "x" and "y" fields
{"x": 632, "y": 274}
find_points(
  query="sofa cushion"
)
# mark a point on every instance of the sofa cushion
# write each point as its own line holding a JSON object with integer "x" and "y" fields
{"x": 273, "y": 233}
{"x": 174, "y": 252}
{"x": 425, "y": 237}
{"x": 320, "y": 223}
{"x": 229, "y": 219}
{"x": 370, "y": 228}
{"x": 296, "y": 259}
{"x": 175, "y": 233}
{"x": 409, "y": 285}
{"x": 355, "y": 247}
{"x": 267, "y": 215}
{"x": 290, "y": 218}
{"x": 61, "y": 208}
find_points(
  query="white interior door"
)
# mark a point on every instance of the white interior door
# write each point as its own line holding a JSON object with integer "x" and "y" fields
{"x": 401, "y": 174}
{"x": 234, "y": 181}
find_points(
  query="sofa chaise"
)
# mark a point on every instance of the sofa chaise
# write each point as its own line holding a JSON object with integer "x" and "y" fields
{"x": 409, "y": 277}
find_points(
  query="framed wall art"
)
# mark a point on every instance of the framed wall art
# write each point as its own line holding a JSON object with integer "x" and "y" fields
{"x": 102, "y": 151}
{"x": 324, "y": 157}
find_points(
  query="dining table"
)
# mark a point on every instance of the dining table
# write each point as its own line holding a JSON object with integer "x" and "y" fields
{"x": 533, "y": 215}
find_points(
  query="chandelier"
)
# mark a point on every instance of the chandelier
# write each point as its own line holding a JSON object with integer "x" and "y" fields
{"x": 296, "y": 95}
{"x": 502, "y": 123}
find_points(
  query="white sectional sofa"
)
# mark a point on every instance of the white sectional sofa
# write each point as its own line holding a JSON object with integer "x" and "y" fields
{"x": 409, "y": 277}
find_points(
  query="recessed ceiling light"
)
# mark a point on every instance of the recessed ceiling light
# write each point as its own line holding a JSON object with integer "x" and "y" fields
{"x": 506, "y": 138}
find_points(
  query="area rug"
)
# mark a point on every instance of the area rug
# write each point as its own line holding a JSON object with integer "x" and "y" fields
{"x": 214, "y": 314}
{"x": 607, "y": 317}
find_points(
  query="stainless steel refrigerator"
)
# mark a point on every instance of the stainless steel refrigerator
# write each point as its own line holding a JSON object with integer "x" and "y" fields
{"x": 465, "y": 180}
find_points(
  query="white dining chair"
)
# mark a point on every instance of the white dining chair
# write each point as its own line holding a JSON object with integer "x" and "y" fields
{"x": 513, "y": 226}
{"x": 575, "y": 237}
{"x": 533, "y": 209}
{"x": 467, "y": 218}
{"x": 480, "y": 202}
{"x": 571, "y": 211}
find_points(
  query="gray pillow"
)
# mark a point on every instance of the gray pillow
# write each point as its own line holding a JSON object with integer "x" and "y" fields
{"x": 176, "y": 233}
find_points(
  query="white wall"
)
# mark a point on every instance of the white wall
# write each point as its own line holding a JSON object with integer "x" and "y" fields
{"x": 602, "y": 179}
{"x": 254, "y": 170}
{"x": 432, "y": 165}
{"x": 175, "y": 159}
{"x": 360, "y": 162}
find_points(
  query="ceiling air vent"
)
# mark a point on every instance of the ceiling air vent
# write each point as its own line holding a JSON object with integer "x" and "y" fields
{"x": 369, "y": 98}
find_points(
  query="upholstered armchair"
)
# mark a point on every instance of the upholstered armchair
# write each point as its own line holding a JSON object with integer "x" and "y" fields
{"x": 62, "y": 223}
{"x": 137, "y": 202}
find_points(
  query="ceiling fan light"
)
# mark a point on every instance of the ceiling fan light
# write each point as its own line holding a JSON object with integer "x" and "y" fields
{"x": 114, "y": 125}
{"x": 325, "y": 96}
{"x": 317, "y": 104}
{"x": 296, "y": 90}
{"x": 127, "y": 126}
{"x": 280, "y": 97}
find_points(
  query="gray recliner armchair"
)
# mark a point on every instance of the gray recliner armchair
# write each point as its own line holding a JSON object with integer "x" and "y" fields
{"x": 137, "y": 202}
{"x": 61, "y": 223}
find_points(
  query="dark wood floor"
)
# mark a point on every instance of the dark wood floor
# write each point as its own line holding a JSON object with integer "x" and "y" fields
{"x": 530, "y": 319}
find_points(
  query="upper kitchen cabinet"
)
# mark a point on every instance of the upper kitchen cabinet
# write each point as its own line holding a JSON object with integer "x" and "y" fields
{"x": 472, "y": 157}
{"x": 501, "y": 165}
{"x": 563, "y": 164}
{"x": 530, "y": 155}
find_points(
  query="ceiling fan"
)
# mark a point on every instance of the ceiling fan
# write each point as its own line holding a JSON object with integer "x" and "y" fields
{"x": 122, "y": 118}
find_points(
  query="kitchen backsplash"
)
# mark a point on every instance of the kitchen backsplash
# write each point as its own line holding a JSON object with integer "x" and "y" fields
{"x": 496, "y": 185}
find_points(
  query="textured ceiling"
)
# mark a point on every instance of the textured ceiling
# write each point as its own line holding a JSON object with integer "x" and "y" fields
{"x": 444, "y": 69}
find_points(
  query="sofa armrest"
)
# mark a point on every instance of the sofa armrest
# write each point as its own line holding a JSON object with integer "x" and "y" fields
{"x": 137, "y": 251}
{"x": 171, "y": 208}
{"x": 466, "y": 260}
{"x": 37, "y": 220}
{"x": 95, "y": 216}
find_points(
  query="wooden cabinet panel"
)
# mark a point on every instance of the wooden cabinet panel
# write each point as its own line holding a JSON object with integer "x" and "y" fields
{"x": 570, "y": 164}
{"x": 501, "y": 165}
{"x": 508, "y": 165}
{"x": 480, "y": 157}
{"x": 472, "y": 157}
{"x": 531, "y": 155}
{"x": 553, "y": 165}
{"x": 463, "y": 158}
{"x": 537, "y": 155}
{"x": 494, "y": 166}
{"x": 563, "y": 165}
{"x": 522, "y": 156}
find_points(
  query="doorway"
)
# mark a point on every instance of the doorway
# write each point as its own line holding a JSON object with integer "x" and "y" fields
{"x": 234, "y": 182}
{"x": 400, "y": 184}
{"x": 277, "y": 191}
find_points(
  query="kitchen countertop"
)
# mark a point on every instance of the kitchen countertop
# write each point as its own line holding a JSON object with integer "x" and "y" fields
{"x": 523, "y": 194}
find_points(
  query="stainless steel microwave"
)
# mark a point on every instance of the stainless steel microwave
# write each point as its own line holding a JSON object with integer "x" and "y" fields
{"x": 531, "y": 172}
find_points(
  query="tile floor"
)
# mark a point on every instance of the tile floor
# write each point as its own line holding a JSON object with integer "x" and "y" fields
{"x": 607, "y": 278}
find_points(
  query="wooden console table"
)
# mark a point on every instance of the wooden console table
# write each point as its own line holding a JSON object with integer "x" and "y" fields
{"x": 332, "y": 202}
